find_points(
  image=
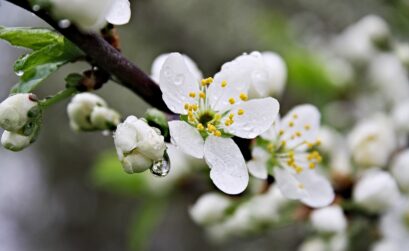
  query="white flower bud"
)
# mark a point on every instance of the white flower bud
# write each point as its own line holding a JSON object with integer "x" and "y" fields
{"x": 136, "y": 163}
{"x": 88, "y": 112}
{"x": 135, "y": 137}
{"x": 92, "y": 15}
{"x": 14, "y": 141}
{"x": 376, "y": 191}
{"x": 209, "y": 208}
{"x": 14, "y": 111}
{"x": 372, "y": 141}
{"x": 329, "y": 219}
{"x": 400, "y": 169}
{"x": 103, "y": 118}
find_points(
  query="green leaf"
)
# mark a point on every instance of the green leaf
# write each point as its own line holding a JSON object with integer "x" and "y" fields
{"x": 31, "y": 38}
{"x": 50, "y": 51}
{"x": 108, "y": 174}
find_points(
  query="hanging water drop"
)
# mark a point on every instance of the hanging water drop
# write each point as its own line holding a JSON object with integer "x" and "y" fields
{"x": 161, "y": 167}
{"x": 64, "y": 23}
{"x": 19, "y": 73}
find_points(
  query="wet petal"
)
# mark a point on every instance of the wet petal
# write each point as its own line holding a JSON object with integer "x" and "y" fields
{"x": 253, "y": 117}
{"x": 119, "y": 13}
{"x": 158, "y": 63}
{"x": 238, "y": 74}
{"x": 228, "y": 168}
{"x": 186, "y": 138}
{"x": 176, "y": 81}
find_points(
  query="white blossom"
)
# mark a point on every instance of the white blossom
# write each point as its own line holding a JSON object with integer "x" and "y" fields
{"x": 329, "y": 219}
{"x": 14, "y": 141}
{"x": 389, "y": 77}
{"x": 213, "y": 108}
{"x": 287, "y": 155}
{"x": 14, "y": 111}
{"x": 210, "y": 208}
{"x": 92, "y": 15}
{"x": 372, "y": 141}
{"x": 138, "y": 145}
{"x": 88, "y": 112}
{"x": 400, "y": 169}
{"x": 376, "y": 191}
{"x": 358, "y": 42}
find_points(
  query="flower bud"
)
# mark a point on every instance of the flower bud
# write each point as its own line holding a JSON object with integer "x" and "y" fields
{"x": 88, "y": 112}
{"x": 103, "y": 118}
{"x": 209, "y": 208}
{"x": 329, "y": 219}
{"x": 14, "y": 141}
{"x": 14, "y": 111}
{"x": 376, "y": 191}
{"x": 138, "y": 144}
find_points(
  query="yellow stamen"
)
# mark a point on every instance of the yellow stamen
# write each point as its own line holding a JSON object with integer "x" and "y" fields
{"x": 298, "y": 133}
{"x": 195, "y": 107}
{"x": 202, "y": 95}
{"x": 192, "y": 94}
{"x": 307, "y": 127}
{"x": 240, "y": 112}
{"x": 224, "y": 83}
{"x": 200, "y": 127}
{"x": 207, "y": 81}
{"x": 298, "y": 169}
{"x": 217, "y": 133}
{"x": 232, "y": 101}
{"x": 244, "y": 96}
{"x": 311, "y": 165}
{"x": 186, "y": 106}
{"x": 295, "y": 116}
{"x": 281, "y": 132}
{"x": 291, "y": 124}
{"x": 231, "y": 115}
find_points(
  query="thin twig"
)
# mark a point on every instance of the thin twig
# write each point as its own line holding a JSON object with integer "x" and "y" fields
{"x": 107, "y": 57}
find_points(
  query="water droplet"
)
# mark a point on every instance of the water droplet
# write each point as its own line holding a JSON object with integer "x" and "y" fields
{"x": 64, "y": 23}
{"x": 19, "y": 73}
{"x": 36, "y": 7}
{"x": 161, "y": 167}
{"x": 179, "y": 79}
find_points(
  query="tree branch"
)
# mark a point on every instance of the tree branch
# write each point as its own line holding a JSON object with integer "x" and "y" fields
{"x": 106, "y": 57}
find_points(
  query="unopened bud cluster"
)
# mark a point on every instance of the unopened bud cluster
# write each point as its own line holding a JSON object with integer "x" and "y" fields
{"x": 138, "y": 145}
{"x": 20, "y": 117}
{"x": 88, "y": 112}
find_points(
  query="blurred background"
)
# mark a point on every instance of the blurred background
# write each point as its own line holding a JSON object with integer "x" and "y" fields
{"x": 67, "y": 191}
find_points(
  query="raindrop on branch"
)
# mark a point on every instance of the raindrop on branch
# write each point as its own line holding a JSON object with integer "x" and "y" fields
{"x": 64, "y": 23}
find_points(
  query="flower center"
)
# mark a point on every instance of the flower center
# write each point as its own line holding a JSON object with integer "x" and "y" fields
{"x": 201, "y": 115}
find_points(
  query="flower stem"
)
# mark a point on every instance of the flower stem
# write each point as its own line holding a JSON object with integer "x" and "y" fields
{"x": 62, "y": 95}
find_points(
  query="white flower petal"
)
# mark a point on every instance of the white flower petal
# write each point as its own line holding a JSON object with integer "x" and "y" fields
{"x": 238, "y": 74}
{"x": 258, "y": 116}
{"x": 304, "y": 119}
{"x": 186, "y": 138}
{"x": 258, "y": 169}
{"x": 319, "y": 190}
{"x": 119, "y": 13}
{"x": 158, "y": 63}
{"x": 228, "y": 168}
{"x": 176, "y": 82}
{"x": 258, "y": 165}
{"x": 289, "y": 186}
